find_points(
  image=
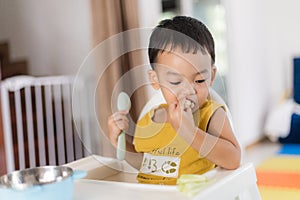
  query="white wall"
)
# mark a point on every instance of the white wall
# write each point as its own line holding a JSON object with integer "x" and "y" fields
{"x": 149, "y": 15}
{"x": 263, "y": 36}
{"x": 53, "y": 36}
{"x": 149, "y": 12}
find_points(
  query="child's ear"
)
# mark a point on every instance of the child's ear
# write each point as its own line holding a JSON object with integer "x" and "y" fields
{"x": 213, "y": 74}
{"x": 153, "y": 79}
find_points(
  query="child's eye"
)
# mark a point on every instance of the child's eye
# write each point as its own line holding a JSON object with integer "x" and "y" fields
{"x": 175, "y": 83}
{"x": 199, "y": 81}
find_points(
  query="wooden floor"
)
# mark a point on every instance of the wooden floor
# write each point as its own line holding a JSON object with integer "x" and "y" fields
{"x": 260, "y": 151}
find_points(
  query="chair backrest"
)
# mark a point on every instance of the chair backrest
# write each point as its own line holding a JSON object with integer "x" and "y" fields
{"x": 37, "y": 122}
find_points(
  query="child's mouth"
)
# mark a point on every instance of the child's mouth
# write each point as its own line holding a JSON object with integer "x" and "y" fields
{"x": 189, "y": 104}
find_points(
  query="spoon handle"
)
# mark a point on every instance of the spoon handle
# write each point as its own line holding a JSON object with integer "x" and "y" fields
{"x": 121, "y": 148}
{"x": 122, "y": 104}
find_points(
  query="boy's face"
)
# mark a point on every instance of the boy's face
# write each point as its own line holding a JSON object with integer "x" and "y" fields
{"x": 183, "y": 75}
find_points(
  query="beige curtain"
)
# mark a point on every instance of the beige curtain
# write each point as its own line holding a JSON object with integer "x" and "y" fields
{"x": 111, "y": 17}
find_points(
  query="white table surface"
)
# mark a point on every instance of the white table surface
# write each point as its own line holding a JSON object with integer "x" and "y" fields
{"x": 108, "y": 190}
{"x": 222, "y": 184}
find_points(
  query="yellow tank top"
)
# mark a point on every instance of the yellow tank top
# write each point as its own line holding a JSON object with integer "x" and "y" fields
{"x": 166, "y": 154}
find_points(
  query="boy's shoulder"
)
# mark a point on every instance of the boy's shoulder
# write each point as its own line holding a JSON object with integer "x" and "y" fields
{"x": 210, "y": 106}
{"x": 212, "y": 103}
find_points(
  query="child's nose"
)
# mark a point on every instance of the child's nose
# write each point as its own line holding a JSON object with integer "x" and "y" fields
{"x": 190, "y": 88}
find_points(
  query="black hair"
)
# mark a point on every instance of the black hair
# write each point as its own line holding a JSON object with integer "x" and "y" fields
{"x": 181, "y": 31}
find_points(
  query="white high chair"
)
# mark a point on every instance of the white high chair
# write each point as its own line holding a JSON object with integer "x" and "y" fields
{"x": 109, "y": 174}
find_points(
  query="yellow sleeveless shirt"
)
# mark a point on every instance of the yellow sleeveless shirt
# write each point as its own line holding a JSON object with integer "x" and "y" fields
{"x": 166, "y": 154}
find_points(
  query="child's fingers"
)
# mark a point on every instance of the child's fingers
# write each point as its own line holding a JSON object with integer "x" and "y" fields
{"x": 174, "y": 109}
{"x": 115, "y": 130}
{"x": 122, "y": 125}
{"x": 120, "y": 118}
{"x": 171, "y": 106}
{"x": 186, "y": 105}
{"x": 116, "y": 123}
{"x": 119, "y": 121}
{"x": 123, "y": 113}
{"x": 182, "y": 103}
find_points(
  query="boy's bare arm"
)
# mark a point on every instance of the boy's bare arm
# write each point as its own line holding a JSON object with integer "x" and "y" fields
{"x": 219, "y": 145}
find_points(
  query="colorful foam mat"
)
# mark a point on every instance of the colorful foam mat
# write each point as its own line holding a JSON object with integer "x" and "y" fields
{"x": 290, "y": 149}
{"x": 278, "y": 178}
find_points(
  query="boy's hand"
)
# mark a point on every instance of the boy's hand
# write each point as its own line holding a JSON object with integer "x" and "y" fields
{"x": 181, "y": 118}
{"x": 116, "y": 123}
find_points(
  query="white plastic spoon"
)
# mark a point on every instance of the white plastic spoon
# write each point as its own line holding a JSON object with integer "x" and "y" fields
{"x": 123, "y": 104}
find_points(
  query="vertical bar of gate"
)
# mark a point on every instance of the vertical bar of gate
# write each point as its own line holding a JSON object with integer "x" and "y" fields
{"x": 68, "y": 122}
{"x": 9, "y": 153}
{"x": 30, "y": 131}
{"x": 20, "y": 134}
{"x": 77, "y": 129}
{"x": 50, "y": 125}
{"x": 84, "y": 117}
{"x": 40, "y": 124}
{"x": 59, "y": 124}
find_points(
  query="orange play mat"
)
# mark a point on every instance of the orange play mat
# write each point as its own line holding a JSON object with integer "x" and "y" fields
{"x": 278, "y": 178}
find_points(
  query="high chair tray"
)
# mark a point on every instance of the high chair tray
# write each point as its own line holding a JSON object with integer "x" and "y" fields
{"x": 113, "y": 179}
